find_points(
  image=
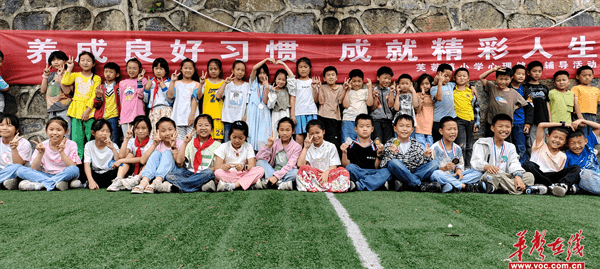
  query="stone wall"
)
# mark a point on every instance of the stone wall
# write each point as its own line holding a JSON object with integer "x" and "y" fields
{"x": 330, "y": 17}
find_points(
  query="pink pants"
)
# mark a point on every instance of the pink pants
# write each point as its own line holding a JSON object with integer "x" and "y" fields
{"x": 245, "y": 178}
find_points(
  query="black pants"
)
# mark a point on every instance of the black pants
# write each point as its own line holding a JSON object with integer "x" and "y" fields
{"x": 384, "y": 129}
{"x": 333, "y": 130}
{"x": 103, "y": 180}
{"x": 569, "y": 175}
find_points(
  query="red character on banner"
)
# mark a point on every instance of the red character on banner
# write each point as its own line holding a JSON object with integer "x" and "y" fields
{"x": 520, "y": 245}
{"x": 538, "y": 244}
{"x": 578, "y": 248}
{"x": 286, "y": 50}
{"x": 356, "y": 51}
{"x": 179, "y": 50}
{"x": 557, "y": 246}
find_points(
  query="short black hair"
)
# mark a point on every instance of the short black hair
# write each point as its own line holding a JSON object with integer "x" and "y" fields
{"x": 461, "y": 69}
{"x": 161, "y": 62}
{"x": 116, "y": 67}
{"x": 405, "y": 76}
{"x": 241, "y": 126}
{"x": 506, "y": 72}
{"x": 420, "y": 80}
{"x": 357, "y": 73}
{"x": 444, "y": 67}
{"x": 406, "y": 117}
{"x": 446, "y": 119}
{"x": 315, "y": 122}
{"x": 560, "y": 129}
{"x": 561, "y": 72}
{"x": 207, "y": 117}
{"x": 12, "y": 120}
{"x": 576, "y": 133}
{"x": 384, "y": 70}
{"x": 363, "y": 117}
{"x": 288, "y": 120}
{"x": 517, "y": 67}
{"x": 165, "y": 119}
{"x": 54, "y": 55}
{"x": 329, "y": 68}
{"x": 99, "y": 124}
{"x": 585, "y": 67}
{"x": 142, "y": 118}
{"x": 501, "y": 116}
{"x": 533, "y": 64}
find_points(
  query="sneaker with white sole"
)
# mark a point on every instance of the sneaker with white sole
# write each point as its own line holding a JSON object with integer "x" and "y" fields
{"x": 386, "y": 186}
{"x": 116, "y": 185}
{"x": 11, "y": 184}
{"x": 209, "y": 186}
{"x": 164, "y": 187}
{"x": 260, "y": 184}
{"x": 559, "y": 189}
{"x": 75, "y": 184}
{"x": 130, "y": 182}
{"x": 352, "y": 186}
{"x": 27, "y": 185}
{"x": 222, "y": 186}
{"x": 286, "y": 186}
{"x": 63, "y": 185}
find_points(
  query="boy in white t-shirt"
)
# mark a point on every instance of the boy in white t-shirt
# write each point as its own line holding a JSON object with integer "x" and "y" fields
{"x": 355, "y": 102}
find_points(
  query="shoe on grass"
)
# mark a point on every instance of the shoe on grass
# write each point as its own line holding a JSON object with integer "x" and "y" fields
{"x": 75, "y": 184}
{"x": 63, "y": 185}
{"x": 260, "y": 184}
{"x": 559, "y": 190}
{"x": 116, "y": 185}
{"x": 222, "y": 186}
{"x": 489, "y": 187}
{"x": 286, "y": 186}
{"x": 352, "y": 186}
{"x": 26, "y": 185}
{"x": 398, "y": 185}
{"x": 209, "y": 186}
{"x": 433, "y": 187}
{"x": 164, "y": 187}
{"x": 447, "y": 188}
{"x": 130, "y": 182}
{"x": 386, "y": 186}
{"x": 11, "y": 184}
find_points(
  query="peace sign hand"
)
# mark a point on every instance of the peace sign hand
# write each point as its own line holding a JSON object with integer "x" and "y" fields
{"x": 141, "y": 75}
{"x": 316, "y": 83}
{"x": 202, "y": 78}
{"x": 271, "y": 140}
{"x": 15, "y": 142}
{"x": 369, "y": 83}
{"x": 393, "y": 88}
{"x": 157, "y": 138}
{"x": 62, "y": 145}
{"x": 229, "y": 79}
{"x": 308, "y": 141}
{"x": 189, "y": 137}
{"x": 175, "y": 76}
{"x": 346, "y": 84}
{"x": 39, "y": 146}
{"x": 128, "y": 134}
{"x": 70, "y": 64}
{"x": 47, "y": 70}
{"x": 174, "y": 139}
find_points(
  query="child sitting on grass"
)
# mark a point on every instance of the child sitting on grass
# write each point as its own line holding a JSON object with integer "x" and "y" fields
{"x": 99, "y": 156}
{"x": 581, "y": 153}
{"x": 18, "y": 149}
{"x": 499, "y": 160}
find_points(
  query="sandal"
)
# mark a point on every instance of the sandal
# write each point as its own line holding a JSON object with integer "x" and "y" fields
{"x": 149, "y": 189}
{"x": 138, "y": 189}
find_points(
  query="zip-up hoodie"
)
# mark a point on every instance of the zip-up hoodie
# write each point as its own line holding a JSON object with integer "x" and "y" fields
{"x": 483, "y": 153}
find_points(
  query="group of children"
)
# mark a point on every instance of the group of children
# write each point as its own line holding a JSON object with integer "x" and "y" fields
{"x": 183, "y": 132}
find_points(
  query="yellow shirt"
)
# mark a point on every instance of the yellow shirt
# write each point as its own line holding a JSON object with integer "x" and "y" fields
{"x": 211, "y": 105}
{"x": 463, "y": 104}
{"x": 84, "y": 93}
{"x": 110, "y": 103}
{"x": 587, "y": 97}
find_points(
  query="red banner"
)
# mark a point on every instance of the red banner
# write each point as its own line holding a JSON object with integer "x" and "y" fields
{"x": 26, "y": 52}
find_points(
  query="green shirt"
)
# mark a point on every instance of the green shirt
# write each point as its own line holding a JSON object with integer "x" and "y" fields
{"x": 561, "y": 105}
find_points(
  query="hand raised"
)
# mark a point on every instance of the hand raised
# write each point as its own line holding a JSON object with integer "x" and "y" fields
{"x": 39, "y": 146}
{"x": 14, "y": 143}
{"x": 141, "y": 75}
{"x": 175, "y": 76}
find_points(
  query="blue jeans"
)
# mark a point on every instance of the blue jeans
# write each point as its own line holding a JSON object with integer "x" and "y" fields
{"x": 269, "y": 171}
{"x": 49, "y": 181}
{"x": 9, "y": 171}
{"x": 369, "y": 179}
{"x": 188, "y": 181}
{"x": 412, "y": 176}
{"x": 226, "y": 129}
{"x": 423, "y": 139}
{"x": 348, "y": 131}
{"x": 448, "y": 181}
{"x": 114, "y": 124}
{"x": 159, "y": 165}
{"x": 520, "y": 142}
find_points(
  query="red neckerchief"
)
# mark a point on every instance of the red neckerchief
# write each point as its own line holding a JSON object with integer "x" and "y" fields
{"x": 198, "y": 157}
{"x": 156, "y": 87}
{"x": 138, "y": 152}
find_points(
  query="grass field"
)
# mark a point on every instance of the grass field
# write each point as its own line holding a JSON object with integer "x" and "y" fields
{"x": 277, "y": 229}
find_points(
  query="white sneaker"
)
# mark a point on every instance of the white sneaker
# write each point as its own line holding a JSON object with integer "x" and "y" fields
{"x": 352, "y": 186}
{"x": 11, "y": 184}
{"x": 209, "y": 186}
{"x": 222, "y": 186}
{"x": 286, "y": 186}
{"x": 386, "y": 186}
{"x": 27, "y": 185}
{"x": 164, "y": 187}
{"x": 75, "y": 184}
{"x": 116, "y": 185}
{"x": 260, "y": 184}
{"x": 130, "y": 182}
{"x": 63, "y": 185}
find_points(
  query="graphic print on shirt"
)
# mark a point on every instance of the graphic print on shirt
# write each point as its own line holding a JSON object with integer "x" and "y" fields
{"x": 83, "y": 87}
{"x": 501, "y": 100}
{"x": 6, "y": 157}
{"x": 129, "y": 94}
{"x": 212, "y": 94}
{"x": 235, "y": 98}
{"x": 110, "y": 92}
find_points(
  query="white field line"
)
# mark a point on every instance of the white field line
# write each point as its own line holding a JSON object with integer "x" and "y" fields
{"x": 367, "y": 256}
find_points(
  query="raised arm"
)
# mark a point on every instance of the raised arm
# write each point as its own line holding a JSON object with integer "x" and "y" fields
{"x": 257, "y": 66}
{"x": 370, "y": 92}
{"x": 483, "y": 76}
{"x": 222, "y": 88}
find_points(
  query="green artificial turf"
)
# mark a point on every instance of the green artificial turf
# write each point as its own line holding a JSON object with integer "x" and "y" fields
{"x": 96, "y": 229}
{"x": 409, "y": 230}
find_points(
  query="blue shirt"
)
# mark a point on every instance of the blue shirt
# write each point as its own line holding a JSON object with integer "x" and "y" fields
{"x": 519, "y": 116}
{"x": 587, "y": 159}
{"x": 446, "y": 106}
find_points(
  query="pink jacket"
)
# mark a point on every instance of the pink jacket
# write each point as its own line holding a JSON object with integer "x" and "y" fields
{"x": 292, "y": 152}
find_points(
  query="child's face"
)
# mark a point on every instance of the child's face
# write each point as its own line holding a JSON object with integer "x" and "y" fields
{"x": 356, "y": 83}
{"x": 446, "y": 75}
{"x": 141, "y": 130}
{"x": 237, "y": 138}
{"x": 364, "y": 128}
{"x": 262, "y": 76}
{"x": 303, "y": 69}
{"x": 285, "y": 131}
{"x": 317, "y": 135}
{"x": 159, "y": 72}
{"x": 561, "y": 82}
{"x": 503, "y": 81}
{"x": 187, "y": 70}
{"x": 536, "y": 73}
{"x": 331, "y": 77}
{"x": 166, "y": 130}
{"x": 213, "y": 70}
{"x": 585, "y": 77}
{"x": 462, "y": 78}
{"x": 55, "y": 132}
{"x": 239, "y": 71}
{"x": 502, "y": 129}
{"x": 404, "y": 85}
{"x": 7, "y": 129}
{"x": 556, "y": 139}
{"x": 449, "y": 131}
{"x": 110, "y": 75}
{"x": 58, "y": 64}
{"x": 133, "y": 69}
{"x": 425, "y": 86}
{"x": 385, "y": 80}
{"x": 86, "y": 63}
{"x": 203, "y": 128}
{"x": 280, "y": 80}
{"x": 404, "y": 128}
{"x": 577, "y": 144}
{"x": 102, "y": 134}
{"x": 519, "y": 75}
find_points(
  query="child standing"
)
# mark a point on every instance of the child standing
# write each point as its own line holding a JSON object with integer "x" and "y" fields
{"x": 3, "y": 86}
{"x": 155, "y": 92}
{"x": 99, "y": 154}
{"x": 562, "y": 101}
{"x": 519, "y": 125}
{"x": 443, "y": 99}
{"x": 303, "y": 98}
{"x": 467, "y": 114}
{"x": 131, "y": 93}
{"x": 330, "y": 98}
{"x": 58, "y": 96}
{"x": 279, "y": 157}
{"x": 356, "y": 101}
{"x": 211, "y": 105}
{"x": 537, "y": 95}
{"x": 382, "y": 105}
{"x": 586, "y": 96}
{"x": 107, "y": 103}
{"x": 424, "y": 113}
{"x": 502, "y": 99}
{"x": 235, "y": 163}
{"x": 82, "y": 105}
{"x": 56, "y": 158}
{"x": 234, "y": 96}
{"x": 405, "y": 97}
{"x": 318, "y": 163}
{"x": 258, "y": 114}
{"x": 184, "y": 88}
{"x": 279, "y": 96}
{"x": 14, "y": 151}
{"x": 363, "y": 156}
